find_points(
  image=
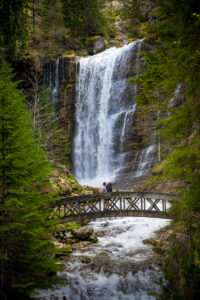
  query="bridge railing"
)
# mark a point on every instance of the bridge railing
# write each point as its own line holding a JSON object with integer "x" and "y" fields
{"x": 111, "y": 204}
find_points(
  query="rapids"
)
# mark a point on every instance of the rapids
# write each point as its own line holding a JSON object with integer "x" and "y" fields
{"x": 118, "y": 267}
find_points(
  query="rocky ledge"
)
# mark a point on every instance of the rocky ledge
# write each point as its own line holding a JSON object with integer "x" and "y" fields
{"x": 70, "y": 237}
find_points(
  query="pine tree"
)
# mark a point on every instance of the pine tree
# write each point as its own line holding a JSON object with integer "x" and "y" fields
{"x": 51, "y": 31}
{"x": 14, "y": 20}
{"x": 25, "y": 231}
{"x": 84, "y": 18}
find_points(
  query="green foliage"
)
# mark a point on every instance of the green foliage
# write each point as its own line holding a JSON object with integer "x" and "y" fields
{"x": 133, "y": 15}
{"x": 36, "y": 28}
{"x": 84, "y": 18}
{"x": 25, "y": 247}
{"x": 174, "y": 60}
{"x": 14, "y": 19}
{"x": 50, "y": 30}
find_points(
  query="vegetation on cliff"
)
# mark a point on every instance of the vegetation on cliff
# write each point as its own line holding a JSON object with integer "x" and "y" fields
{"x": 172, "y": 66}
{"x": 44, "y": 27}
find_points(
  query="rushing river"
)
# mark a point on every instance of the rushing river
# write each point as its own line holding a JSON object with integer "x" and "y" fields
{"x": 118, "y": 267}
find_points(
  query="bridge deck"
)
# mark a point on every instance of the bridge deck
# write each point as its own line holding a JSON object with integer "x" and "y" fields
{"x": 116, "y": 204}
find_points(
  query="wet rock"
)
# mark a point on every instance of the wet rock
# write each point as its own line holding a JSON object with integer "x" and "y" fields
{"x": 85, "y": 260}
{"x": 81, "y": 245}
{"x": 63, "y": 251}
{"x": 106, "y": 224}
{"x": 101, "y": 233}
{"x": 93, "y": 238}
{"x": 149, "y": 242}
{"x": 83, "y": 233}
{"x": 58, "y": 244}
{"x": 70, "y": 241}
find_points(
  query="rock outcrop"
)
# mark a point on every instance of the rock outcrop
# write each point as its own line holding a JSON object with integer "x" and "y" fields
{"x": 82, "y": 233}
{"x": 69, "y": 237}
{"x": 99, "y": 45}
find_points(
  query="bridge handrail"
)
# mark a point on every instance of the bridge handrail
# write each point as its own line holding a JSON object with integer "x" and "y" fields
{"x": 93, "y": 197}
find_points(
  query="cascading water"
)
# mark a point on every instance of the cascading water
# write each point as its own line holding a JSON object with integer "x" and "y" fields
{"x": 118, "y": 267}
{"x": 56, "y": 86}
{"x": 104, "y": 113}
{"x": 51, "y": 79}
{"x": 144, "y": 161}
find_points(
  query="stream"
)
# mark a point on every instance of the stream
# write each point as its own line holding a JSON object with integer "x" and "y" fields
{"x": 119, "y": 267}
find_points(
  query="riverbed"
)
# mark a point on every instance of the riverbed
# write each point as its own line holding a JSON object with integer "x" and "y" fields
{"x": 119, "y": 267}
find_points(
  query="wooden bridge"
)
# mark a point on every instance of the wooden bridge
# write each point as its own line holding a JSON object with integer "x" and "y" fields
{"x": 116, "y": 204}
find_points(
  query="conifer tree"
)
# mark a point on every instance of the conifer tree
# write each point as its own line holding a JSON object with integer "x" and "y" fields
{"x": 25, "y": 231}
{"x": 14, "y": 19}
{"x": 51, "y": 24}
{"x": 84, "y": 17}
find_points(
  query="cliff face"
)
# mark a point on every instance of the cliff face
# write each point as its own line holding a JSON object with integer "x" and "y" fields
{"x": 59, "y": 77}
{"x": 66, "y": 95}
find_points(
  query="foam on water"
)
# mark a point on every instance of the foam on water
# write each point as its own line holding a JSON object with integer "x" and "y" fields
{"x": 117, "y": 268}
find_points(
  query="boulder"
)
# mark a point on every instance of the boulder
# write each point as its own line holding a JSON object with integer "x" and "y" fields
{"x": 93, "y": 238}
{"x": 81, "y": 245}
{"x": 82, "y": 233}
{"x": 99, "y": 45}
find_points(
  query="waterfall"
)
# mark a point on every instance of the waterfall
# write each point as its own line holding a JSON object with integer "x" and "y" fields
{"x": 56, "y": 86}
{"x": 51, "y": 79}
{"x": 104, "y": 112}
{"x": 145, "y": 162}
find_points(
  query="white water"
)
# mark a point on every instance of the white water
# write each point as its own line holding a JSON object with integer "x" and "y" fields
{"x": 56, "y": 85}
{"x": 52, "y": 85}
{"x": 145, "y": 162}
{"x": 119, "y": 268}
{"x": 104, "y": 113}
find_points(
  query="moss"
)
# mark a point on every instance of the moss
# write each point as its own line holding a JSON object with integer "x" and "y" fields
{"x": 93, "y": 239}
{"x": 158, "y": 169}
{"x": 63, "y": 252}
{"x": 70, "y": 53}
{"x": 68, "y": 86}
{"x": 72, "y": 225}
{"x": 158, "y": 250}
{"x": 67, "y": 227}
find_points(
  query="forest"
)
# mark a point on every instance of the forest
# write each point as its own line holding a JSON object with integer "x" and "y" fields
{"x": 33, "y": 142}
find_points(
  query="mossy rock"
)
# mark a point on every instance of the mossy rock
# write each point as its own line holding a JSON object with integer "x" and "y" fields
{"x": 63, "y": 251}
{"x": 149, "y": 242}
{"x": 71, "y": 54}
{"x": 70, "y": 241}
{"x": 101, "y": 255}
{"x": 93, "y": 238}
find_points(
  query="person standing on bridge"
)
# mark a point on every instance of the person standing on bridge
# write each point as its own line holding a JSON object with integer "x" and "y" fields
{"x": 104, "y": 188}
{"x": 109, "y": 187}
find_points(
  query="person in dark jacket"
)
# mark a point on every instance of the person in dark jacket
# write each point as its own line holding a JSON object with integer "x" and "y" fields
{"x": 109, "y": 187}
